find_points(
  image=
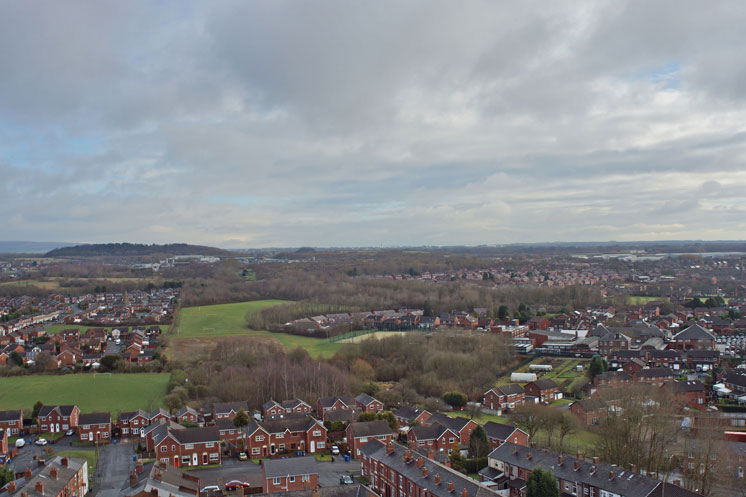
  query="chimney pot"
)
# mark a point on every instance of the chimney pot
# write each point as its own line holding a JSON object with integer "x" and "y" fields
{"x": 390, "y": 448}
{"x": 464, "y": 493}
{"x": 65, "y": 462}
{"x": 27, "y": 473}
{"x": 12, "y": 487}
{"x": 39, "y": 487}
{"x": 424, "y": 471}
{"x": 437, "y": 478}
{"x": 53, "y": 472}
{"x": 420, "y": 462}
{"x": 450, "y": 486}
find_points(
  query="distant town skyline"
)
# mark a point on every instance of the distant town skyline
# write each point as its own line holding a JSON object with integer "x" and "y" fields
{"x": 329, "y": 123}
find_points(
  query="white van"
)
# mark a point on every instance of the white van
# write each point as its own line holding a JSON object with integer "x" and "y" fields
{"x": 20, "y": 442}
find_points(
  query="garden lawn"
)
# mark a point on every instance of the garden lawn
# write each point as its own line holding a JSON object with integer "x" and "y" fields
{"x": 91, "y": 392}
{"x": 229, "y": 320}
{"x": 90, "y": 455}
{"x": 482, "y": 418}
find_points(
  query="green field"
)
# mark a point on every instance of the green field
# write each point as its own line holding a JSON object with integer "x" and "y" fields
{"x": 56, "y": 328}
{"x": 102, "y": 392}
{"x": 642, "y": 299}
{"x": 482, "y": 418}
{"x": 229, "y": 320}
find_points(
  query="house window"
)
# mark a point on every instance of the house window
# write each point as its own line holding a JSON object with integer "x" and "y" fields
{"x": 276, "y": 481}
{"x": 84, "y": 436}
{"x": 317, "y": 433}
{"x": 106, "y": 434}
{"x": 306, "y": 478}
{"x": 185, "y": 460}
{"x": 214, "y": 456}
{"x": 280, "y": 435}
{"x": 282, "y": 446}
{"x": 292, "y": 479}
{"x": 255, "y": 451}
{"x": 259, "y": 439}
{"x": 321, "y": 445}
{"x": 164, "y": 448}
{"x": 210, "y": 445}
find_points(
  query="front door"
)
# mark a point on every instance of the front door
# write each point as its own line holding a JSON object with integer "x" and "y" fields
{"x": 176, "y": 461}
{"x": 313, "y": 446}
{"x": 195, "y": 459}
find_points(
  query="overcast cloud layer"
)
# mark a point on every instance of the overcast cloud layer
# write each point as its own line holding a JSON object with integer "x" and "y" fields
{"x": 250, "y": 124}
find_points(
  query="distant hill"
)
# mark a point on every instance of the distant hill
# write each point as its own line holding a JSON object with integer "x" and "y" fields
{"x": 12, "y": 247}
{"x": 134, "y": 249}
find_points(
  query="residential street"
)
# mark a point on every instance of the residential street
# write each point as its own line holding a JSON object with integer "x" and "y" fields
{"x": 112, "y": 472}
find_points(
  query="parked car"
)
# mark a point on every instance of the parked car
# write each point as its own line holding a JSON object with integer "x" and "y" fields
{"x": 210, "y": 490}
{"x": 335, "y": 450}
{"x": 345, "y": 480}
{"x": 242, "y": 456}
{"x": 234, "y": 484}
{"x": 69, "y": 433}
{"x": 41, "y": 441}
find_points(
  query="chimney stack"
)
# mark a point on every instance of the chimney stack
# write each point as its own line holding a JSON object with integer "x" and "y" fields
{"x": 529, "y": 456}
{"x": 633, "y": 468}
{"x": 53, "y": 472}
{"x": 39, "y": 487}
{"x": 464, "y": 493}
{"x": 611, "y": 475}
{"x": 138, "y": 466}
{"x": 12, "y": 487}
{"x": 40, "y": 463}
{"x": 560, "y": 459}
{"x": 580, "y": 454}
{"x": 133, "y": 479}
{"x": 437, "y": 478}
{"x": 420, "y": 462}
{"x": 577, "y": 465}
{"x": 390, "y": 448}
{"x": 596, "y": 461}
{"x": 27, "y": 473}
{"x": 407, "y": 455}
{"x": 431, "y": 454}
{"x": 424, "y": 471}
{"x": 65, "y": 462}
{"x": 450, "y": 486}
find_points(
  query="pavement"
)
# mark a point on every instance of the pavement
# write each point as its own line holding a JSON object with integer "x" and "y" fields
{"x": 113, "y": 468}
{"x": 233, "y": 469}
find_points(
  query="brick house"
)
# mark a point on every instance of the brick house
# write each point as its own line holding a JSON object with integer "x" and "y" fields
{"x": 154, "y": 433}
{"x": 589, "y": 411}
{"x": 358, "y": 434}
{"x": 694, "y": 338}
{"x": 504, "y": 397}
{"x": 221, "y": 410}
{"x": 12, "y": 422}
{"x": 293, "y": 406}
{"x": 575, "y": 476}
{"x": 288, "y": 475}
{"x": 285, "y": 436}
{"x": 159, "y": 414}
{"x": 190, "y": 447}
{"x": 461, "y": 426}
{"x": 186, "y": 415}
{"x": 3, "y": 443}
{"x": 612, "y": 378}
{"x": 329, "y": 404}
{"x": 498, "y": 434}
{"x": 702, "y": 360}
{"x": 407, "y": 415}
{"x": 612, "y": 341}
{"x": 690, "y": 393}
{"x": 95, "y": 427}
{"x": 654, "y": 376}
{"x": 131, "y": 423}
{"x": 545, "y": 389}
{"x": 538, "y": 323}
{"x": 396, "y": 471}
{"x": 229, "y": 432}
{"x": 368, "y": 404}
{"x": 60, "y": 477}
{"x": 432, "y": 436}
{"x": 53, "y": 419}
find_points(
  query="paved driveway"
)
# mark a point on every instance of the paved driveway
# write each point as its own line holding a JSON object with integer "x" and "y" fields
{"x": 113, "y": 469}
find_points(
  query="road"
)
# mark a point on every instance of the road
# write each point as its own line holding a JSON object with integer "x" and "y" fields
{"x": 113, "y": 469}
{"x": 232, "y": 469}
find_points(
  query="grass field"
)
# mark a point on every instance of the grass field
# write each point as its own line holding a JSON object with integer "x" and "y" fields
{"x": 102, "y": 392}
{"x": 642, "y": 299}
{"x": 56, "y": 328}
{"x": 200, "y": 324}
{"x": 90, "y": 455}
{"x": 482, "y": 418}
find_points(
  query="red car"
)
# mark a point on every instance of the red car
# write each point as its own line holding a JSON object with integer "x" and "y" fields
{"x": 234, "y": 484}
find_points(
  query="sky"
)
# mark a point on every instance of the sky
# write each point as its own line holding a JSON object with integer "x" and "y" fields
{"x": 334, "y": 123}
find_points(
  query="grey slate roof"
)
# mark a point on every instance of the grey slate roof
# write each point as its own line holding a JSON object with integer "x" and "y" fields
{"x": 694, "y": 332}
{"x": 364, "y": 399}
{"x": 13, "y": 415}
{"x": 454, "y": 424}
{"x": 377, "y": 450}
{"x": 196, "y": 435}
{"x": 370, "y": 428}
{"x": 409, "y": 413}
{"x": 498, "y": 430}
{"x": 623, "y": 482}
{"x": 430, "y": 432}
{"x": 511, "y": 389}
{"x": 94, "y": 418}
